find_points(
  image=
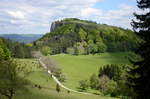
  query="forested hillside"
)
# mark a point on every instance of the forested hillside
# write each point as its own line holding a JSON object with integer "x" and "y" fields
{"x": 76, "y": 36}
{"x": 17, "y": 50}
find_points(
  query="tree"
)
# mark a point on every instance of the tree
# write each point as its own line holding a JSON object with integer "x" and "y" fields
{"x": 94, "y": 81}
{"x": 82, "y": 34}
{"x": 140, "y": 73}
{"x": 10, "y": 79}
{"x": 112, "y": 85}
{"x": 70, "y": 51}
{"x": 53, "y": 67}
{"x": 46, "y": 50}
{"x": 83, "y": 85}
{"x": 4, "y": 52}
{"x": 101, "y": 47}
{"x": 79, "y": 48}
{"x": 113, "y": 71}
{"x": 19, "y": 51}
{"x": 57, "y": 88}
{"x": 104, "y": 84}
{"x": 92, "y": 48}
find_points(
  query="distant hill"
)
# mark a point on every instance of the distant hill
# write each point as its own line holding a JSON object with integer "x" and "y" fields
{"x": 23, "y": 38}
{"x": 77, "y": 36}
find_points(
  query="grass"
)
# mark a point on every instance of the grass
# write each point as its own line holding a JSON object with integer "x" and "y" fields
{"x": 81, "y": 67}
{"x": 40, "y": 77}
{"x": 52, "y": 94}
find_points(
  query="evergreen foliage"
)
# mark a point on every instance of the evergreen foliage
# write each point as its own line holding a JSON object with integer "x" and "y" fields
{"x": 140, "y": 73}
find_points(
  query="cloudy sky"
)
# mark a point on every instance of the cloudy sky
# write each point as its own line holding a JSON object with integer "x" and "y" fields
{"x": 36, "y": 16}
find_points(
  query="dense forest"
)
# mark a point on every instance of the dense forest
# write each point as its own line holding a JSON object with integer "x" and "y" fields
{"x": 17, "y": 50}
{"x": 76, "y": 36}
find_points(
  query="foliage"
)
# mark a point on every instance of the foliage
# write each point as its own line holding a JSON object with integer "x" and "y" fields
{"x": 18, "y": 50}
{"x": 10, "y": 74}
{"x": 53, "y": 67}
{"x": 79, "y": 49}
{"x": 103, "y": 84}
{"x": 118, "y": 80}
{"x": 46, "y": 50}
{"x": 4, "y": 52}
{"x": 94, "y": 81}
{"x": 58, "y": 73}
{"x": 83, "y": 85}
{"x": 10, "y": 79}
{"x": 140, "y": 73}
{"x": 70, "y": 51}
{"x": 57, "y": 88}
{"x": 99, "y": 38}
{"x": 113, "y": 71}
{"x": 112, "y": 85}
{"x": 82, "y": 34}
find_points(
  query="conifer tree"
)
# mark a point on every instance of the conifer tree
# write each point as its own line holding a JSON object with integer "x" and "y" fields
{"x": 139, "y": 78}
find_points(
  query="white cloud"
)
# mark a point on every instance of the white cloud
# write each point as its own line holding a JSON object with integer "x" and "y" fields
{"x": 17, "y": 14}
{"x": 36, "y": 15}
{"x": 90, "y": 12}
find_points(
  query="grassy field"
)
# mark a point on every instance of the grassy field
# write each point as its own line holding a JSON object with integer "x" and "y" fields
{"x": 40, "y": 77}
{"x": 80, "y": 67}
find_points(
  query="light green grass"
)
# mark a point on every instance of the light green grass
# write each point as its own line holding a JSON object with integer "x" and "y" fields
{"x": 40, "y": 77}
{"x": 52, "y": 94}
{"x": 81, "y": 67}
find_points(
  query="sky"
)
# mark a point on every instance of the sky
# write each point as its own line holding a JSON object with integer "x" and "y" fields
{"x": 36, "y": 16}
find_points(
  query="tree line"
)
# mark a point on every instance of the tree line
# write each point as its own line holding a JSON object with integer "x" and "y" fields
{"x": 17, "y": 50}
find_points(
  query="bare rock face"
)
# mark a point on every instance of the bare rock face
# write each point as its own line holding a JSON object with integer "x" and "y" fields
{"x": 53, "y": 25}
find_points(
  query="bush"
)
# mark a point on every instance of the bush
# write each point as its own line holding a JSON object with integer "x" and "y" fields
{"x": 94, "y": 81}
{"x": 58, "y": 73}
{"x": 46, "y": 50}
{"x": 70, "y": 51}
{"x": 112, "y": 85}
{"x": 83, "y": 85}
{"x": 104, "y": 84}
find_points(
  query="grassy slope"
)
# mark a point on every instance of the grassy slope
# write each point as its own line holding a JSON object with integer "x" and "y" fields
{"x": 80, "y": 67}
{"x": 40, "y": 77}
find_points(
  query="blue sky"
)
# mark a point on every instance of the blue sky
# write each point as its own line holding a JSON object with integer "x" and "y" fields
{"x": 36, "y": 16}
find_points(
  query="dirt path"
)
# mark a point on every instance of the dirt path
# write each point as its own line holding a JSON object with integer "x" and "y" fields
{"x": 58, "y": 82}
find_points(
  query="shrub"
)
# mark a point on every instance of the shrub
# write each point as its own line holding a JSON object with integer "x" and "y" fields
{"x": 70, "y": 51}
{"x": 104, "y": 83}
{"x": 94, "y": 81}
{"x": 112, "y": 85}
{"x": 83, "y": 85}
{"x": 46, "y": 50}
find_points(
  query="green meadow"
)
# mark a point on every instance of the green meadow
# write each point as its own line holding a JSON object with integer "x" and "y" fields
{"x": 39, "y": 76}
{"x": 81, "y": 67}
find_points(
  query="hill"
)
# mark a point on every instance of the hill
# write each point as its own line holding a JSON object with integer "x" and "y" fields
{"x": 77, "y": 36}
{"x": 23, "y": 38}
